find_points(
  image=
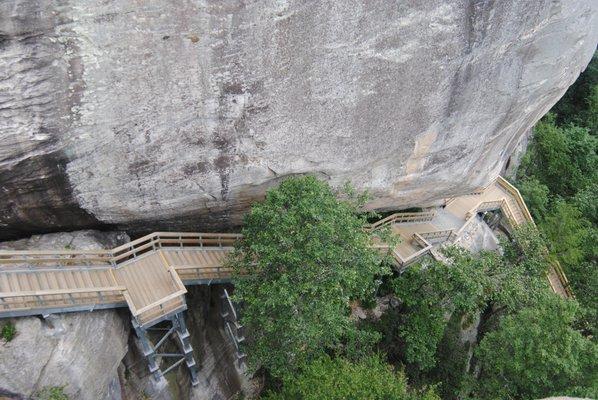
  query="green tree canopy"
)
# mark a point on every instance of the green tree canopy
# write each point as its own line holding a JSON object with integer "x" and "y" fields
{"x": 536, "y": 353}
{"x": 561, "y": 157}
{"x": 304, "y": 257}
{"x": 339, "y": 379}
{"x": 439, "y": 299}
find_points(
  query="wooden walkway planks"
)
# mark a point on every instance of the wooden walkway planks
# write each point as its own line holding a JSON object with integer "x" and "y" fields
{"x": 147, "y": 274}
{"x": 144, "y": 275}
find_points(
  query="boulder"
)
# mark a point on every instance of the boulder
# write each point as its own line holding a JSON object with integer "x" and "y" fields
{"x": 154, "y": 115}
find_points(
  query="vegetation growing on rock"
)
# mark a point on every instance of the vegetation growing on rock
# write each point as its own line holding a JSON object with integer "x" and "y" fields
{"x": 9, "y": 331}
{"x": 559, "y": 179}
{"x": 51, "y": 393}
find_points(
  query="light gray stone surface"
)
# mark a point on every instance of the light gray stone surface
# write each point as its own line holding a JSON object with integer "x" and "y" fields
{"x": 160, "y": 114}
{"x": 478, "y": 236}
{"x": 80, "y": 351}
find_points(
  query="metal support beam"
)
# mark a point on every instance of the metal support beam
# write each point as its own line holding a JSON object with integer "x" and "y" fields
{"x": 232, "y": 326}
{"x": 180, "y": 335}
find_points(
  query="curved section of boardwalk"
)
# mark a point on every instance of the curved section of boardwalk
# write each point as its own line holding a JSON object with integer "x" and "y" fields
{"x": 148, "y": 275}
{"x": 420, "y": 231}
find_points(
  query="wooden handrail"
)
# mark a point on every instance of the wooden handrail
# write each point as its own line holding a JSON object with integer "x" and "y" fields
{"x": 516, "y": 196}
{"x": 163, "y": 300}
{"x": 13, "y": 253}
{"x": 120, "y": 253}
{"x": 403, "y": 217}
{"x": 62, "y": 291}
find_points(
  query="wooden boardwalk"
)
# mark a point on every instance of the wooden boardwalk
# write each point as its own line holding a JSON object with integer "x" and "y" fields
{"x": 419, "y": 232}
{"x": 148, "y": 275}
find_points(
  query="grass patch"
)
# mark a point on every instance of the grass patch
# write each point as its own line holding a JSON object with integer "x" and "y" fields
{"x": 9, "y": 331}
{"x": 51, "y": 393}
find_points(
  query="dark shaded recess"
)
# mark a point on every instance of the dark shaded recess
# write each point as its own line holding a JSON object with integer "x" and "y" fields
{"x": 226, "y": 217}
{"x": 205, "y": 324}
{"x": 208, "y": 220}
{"x": 36, "y": 197}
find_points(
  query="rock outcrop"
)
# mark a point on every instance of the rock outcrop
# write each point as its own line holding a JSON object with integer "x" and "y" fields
{"x": 152, "y": 114}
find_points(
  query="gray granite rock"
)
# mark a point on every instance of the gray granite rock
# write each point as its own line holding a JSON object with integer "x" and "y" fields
{"x": 77, "y": 351}
{"x": 148, "y": 115}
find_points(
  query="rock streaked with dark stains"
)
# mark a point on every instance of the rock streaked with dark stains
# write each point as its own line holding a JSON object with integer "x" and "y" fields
{"x": 148, "y": 116}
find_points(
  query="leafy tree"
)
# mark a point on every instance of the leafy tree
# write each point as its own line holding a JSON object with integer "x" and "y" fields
{"x": 536, "y": 196}
{"x": 428, "y": 293}
{"x": 585, "y": 201}
{"x": 304, "y": 257}
{"x": 437, "y": 299}
{"x": 339, "y": 379}
{"x": 566, "y": 231}
{"x": 536, "y": 353}
{"x": 579, "y": 105}
{"x": 562, "y": 158}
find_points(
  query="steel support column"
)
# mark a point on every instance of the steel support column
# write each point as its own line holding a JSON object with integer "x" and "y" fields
{"x": 156, "y": 359}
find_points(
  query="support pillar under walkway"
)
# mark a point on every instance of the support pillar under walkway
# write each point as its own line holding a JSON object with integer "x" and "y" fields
{"x": 162, "y": 362}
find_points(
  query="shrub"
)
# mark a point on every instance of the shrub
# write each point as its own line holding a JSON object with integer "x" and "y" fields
{"x": 9, "y": 331}
{"x": 51, "y": 393}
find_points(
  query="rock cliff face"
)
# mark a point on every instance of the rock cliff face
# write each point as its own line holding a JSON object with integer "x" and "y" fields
{"x": 155, "y": 114}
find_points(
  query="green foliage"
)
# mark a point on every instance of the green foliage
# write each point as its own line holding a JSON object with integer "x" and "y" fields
{"x": 339, "y": 379}
{"x": 51, "y": 393}
{"x": 304, "y": 257}
{"x": 579, "y": 105}
{"x": 430, "y": 291}
{"x": 9, "y": 331}
{"x": 566, "y": 230}
{"x": 585, "y": 201}
{"x": 536, "y": 353}
{"x": 438, "y": 299}
{"x": 536, "y": 196}
{"x": 562, "y": 158}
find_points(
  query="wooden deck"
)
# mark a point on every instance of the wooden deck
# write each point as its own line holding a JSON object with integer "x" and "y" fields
{"x": 419, "y": 231}
{"x": 148, "y": 275}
